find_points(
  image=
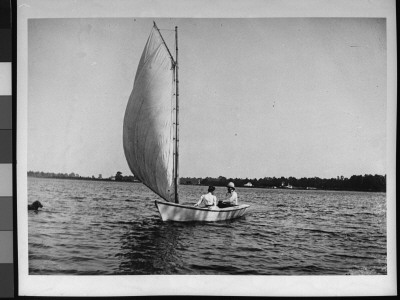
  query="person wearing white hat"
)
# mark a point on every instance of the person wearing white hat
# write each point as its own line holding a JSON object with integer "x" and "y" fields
{"x": 231, "y": 195}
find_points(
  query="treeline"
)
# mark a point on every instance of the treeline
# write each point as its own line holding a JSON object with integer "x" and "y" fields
{"x": 375, "y": 183}
{"x": 118, "y": 176}
{"x": 129, "y": 178}
{"x": 64, "y": 176}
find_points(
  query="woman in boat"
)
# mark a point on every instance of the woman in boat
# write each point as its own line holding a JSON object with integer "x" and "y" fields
{"x": 231, "y": 195}
{"x": 208, "y": 200}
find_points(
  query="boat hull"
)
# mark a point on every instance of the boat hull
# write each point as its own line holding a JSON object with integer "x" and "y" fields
{"x": 184, "y": 213}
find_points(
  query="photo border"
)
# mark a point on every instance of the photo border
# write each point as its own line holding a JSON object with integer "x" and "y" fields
{"x": 222, "y": 285}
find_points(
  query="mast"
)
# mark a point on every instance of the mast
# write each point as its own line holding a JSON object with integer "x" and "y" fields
{"x": 176, "y": 175}
{"x": 176, "y": 144}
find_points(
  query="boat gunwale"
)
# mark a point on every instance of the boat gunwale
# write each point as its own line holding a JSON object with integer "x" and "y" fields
{"x": 226, "y": 209}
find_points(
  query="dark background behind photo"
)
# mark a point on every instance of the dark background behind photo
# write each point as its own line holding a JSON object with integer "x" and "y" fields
{"x": 6, "y": 154}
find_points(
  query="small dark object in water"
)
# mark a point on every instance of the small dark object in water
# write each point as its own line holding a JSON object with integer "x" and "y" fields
{"x": 35, "y": 206}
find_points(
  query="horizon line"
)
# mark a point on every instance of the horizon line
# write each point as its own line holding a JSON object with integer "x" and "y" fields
{"x": 227, "y": 177}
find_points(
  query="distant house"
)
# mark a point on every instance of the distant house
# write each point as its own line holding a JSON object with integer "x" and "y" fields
{"x": 289, "y": 186}
{"x": 248, "y": 184}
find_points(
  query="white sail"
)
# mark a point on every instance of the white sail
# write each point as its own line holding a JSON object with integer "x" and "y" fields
{"x": 148, "y": 123}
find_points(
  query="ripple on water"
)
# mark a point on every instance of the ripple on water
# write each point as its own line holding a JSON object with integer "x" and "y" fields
{"x": 90, "y": 228}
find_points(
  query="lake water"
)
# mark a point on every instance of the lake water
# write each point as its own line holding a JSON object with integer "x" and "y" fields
{"x": 96, "y": 227}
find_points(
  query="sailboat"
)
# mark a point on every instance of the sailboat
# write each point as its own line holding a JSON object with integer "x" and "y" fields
{"x": 151, "y": 133}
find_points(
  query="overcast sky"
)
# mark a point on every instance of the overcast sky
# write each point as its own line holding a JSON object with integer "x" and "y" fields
{"x": 299, "y": 97}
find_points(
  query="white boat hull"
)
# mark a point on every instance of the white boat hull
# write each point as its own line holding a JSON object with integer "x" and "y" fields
{"x": 184, "y": 213}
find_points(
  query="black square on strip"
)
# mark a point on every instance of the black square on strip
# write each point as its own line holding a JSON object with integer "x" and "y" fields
{"x": 6, "y": 280}
{"x": 5, "y": 14}
{"x": 5, "y": 45}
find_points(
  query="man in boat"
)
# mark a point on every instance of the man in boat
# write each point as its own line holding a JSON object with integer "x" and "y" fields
{"x": 231, "y": 195}
{"x": 208, "y": 200}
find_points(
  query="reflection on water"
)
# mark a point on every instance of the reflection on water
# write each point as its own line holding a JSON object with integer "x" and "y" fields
{"x": 149, "y": 249}
{"x": 90, "y": 227}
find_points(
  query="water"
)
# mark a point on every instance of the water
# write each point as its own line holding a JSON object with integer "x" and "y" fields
{"x": 94, "y": 227}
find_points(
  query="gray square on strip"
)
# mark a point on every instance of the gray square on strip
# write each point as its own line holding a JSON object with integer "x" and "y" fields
{"x": 5, "y": 180}
{"x": 6, "y": 247}
{"x": 5, "y": 112}
{"x": 5, "y": 146}
{"x": 6, "y": 213}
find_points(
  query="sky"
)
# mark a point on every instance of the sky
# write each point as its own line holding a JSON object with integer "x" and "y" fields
{"x": 259, "y": 97}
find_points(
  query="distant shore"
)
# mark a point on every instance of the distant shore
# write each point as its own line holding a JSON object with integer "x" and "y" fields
{"x": 366, "y": 183}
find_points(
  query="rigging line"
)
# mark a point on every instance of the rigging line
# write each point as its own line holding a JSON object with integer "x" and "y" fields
{"x": 165, "y": 44}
